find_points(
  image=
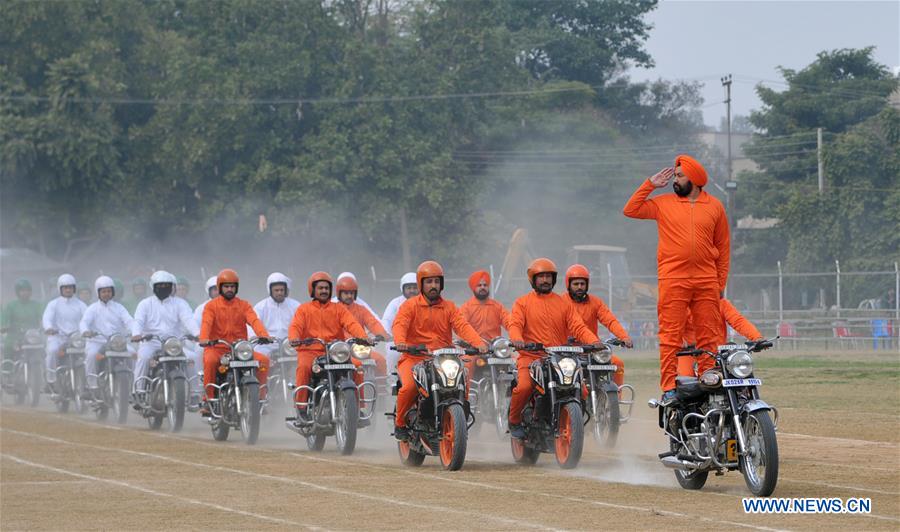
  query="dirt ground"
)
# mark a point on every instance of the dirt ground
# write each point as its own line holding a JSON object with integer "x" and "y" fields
{"x": 838, "y": 437}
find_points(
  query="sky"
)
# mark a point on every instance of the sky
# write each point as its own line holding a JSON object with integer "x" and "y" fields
{"x": 703, "y": 41}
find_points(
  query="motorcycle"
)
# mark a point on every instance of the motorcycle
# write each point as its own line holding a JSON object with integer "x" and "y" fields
{"x": 69, "y": 386}
{"x": 373, "y": 386}
{"x": 332, "y": 405}
{"x": 438, "y": 424}
{"x": 115, "y": 376}
{"x": 22, "y": 374}
{"x": 606, "y": 398}
{"x": 236, "y": 402}
{"x": 163, "y": 393}
{"x": 553, "y": 419}
{"x": 282, "y": 369}
{"x": 490, "y": 380}
{"x": 719, "y": 423}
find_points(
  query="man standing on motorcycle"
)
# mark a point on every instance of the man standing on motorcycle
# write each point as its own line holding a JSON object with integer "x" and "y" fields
{"x": 408, "y": 289}
{"x": 485, "y": 314}
{"x": 61, "y": 318}
{"x": 542, "y": 317}
{"x": 107, "y": 317}
{"x": 277, "y": 310}
{"x": 18, "y": 316}
{"x": 227, "y": 318}
{"x": 322, "y": 319}
{"x": 162, "y": 314}
{"x": 347, "y": 293}
{"x": 692, "y": 257}
{"x": 730, "y": 316}
{"x": 593, "y": 311}
{"x": 430, "y": 320}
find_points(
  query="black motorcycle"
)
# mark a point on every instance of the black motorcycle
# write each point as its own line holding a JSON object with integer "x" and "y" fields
{"x": 163, "y": 393}
{"x": 719, "y": 423}
{"x": 489, "y": 385}
{"x": 23, "y": 371}
{"x": 236, "y": 402}
{"x": 115, "y": 375}
{"x": 609, "y": 405}
{"x": 70, "y": 378}
{"x": 332, "y": 405}
{"x": 439, "y": 422}
{"x": 553, "y": 419}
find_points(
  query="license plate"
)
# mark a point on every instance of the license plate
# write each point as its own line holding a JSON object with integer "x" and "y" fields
{"x": 368, "y": 362}
{"x": 244, "y": 364}
{"x": 733, "y": 383}
{"x": 602, "y": 367}
{"x": 731, "y": 450}
{"x": 499, "y": 362}
{"x": 339, "y": 366}
{"x": 172, "y": 359}
{"x": 118, "y": 355}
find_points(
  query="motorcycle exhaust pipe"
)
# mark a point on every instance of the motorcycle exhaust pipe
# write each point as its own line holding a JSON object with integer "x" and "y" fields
{"x": 673, "y": 462}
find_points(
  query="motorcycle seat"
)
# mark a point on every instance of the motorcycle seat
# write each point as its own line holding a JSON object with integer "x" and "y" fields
{"x": 687, "y": 388}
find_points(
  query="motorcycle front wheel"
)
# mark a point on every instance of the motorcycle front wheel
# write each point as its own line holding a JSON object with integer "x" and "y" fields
{"x": 346, "y": 427}
{"x": 760, "y": 464}
{"x": 606, "y": 419}
{"x": 35, "y": 383}
{"x": 176, "y": 406}
{"x": 570, "y": 438}
{"x": 454, "y": 438}
{"x": 121, "y": 392}
{"x": 250, "y": 413}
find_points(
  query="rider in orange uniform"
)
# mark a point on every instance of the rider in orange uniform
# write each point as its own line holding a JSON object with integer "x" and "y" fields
{"x": 322, "y": 319}
{"x": 426, "y": 319}
{"x": 543, "y": 317}
{"x": 730, "y": 316}
{"x": 485, "y": 314}
{"x": 593, "y": 311}
{"x": 226, "y": 318}
{"x": 347, "y": 290}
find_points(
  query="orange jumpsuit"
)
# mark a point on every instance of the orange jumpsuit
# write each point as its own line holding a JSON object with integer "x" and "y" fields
{"x": 730, "y": 316}
{"x": 327, "y": 321}
{"x": 225, "y": 319}
{"x": 594, "y": 311}
{"x": 365, "y": 318}
{"x": 486, "y": 317}
{"x": 419, "y": 322}
{"x": 692, "y": 260}
{"x": 546, "y": 319}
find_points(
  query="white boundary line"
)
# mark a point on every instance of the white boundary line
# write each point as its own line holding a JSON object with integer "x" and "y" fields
{"x": 155, "y": 493}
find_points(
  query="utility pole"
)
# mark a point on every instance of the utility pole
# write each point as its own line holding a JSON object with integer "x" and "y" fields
{"x": 820, "y": 160}
{"x": 730, "y": 185}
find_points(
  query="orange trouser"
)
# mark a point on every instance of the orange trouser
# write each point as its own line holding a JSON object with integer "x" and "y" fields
{"x": 380, "y": 369}
{"x": 211, "y": 358}
{"x": 469, "y": 362}
{"x": 524, "y": 387}
{"x": 406, "y": 397}
{"x": 618, "y": 376}
{"x": 305, "y": 360}
{"x": 686, "y": 365}
{"x": 676, "y": 296}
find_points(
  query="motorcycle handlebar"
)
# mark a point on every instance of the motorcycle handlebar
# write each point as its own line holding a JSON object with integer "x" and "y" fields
{"x": 413, "y": 349}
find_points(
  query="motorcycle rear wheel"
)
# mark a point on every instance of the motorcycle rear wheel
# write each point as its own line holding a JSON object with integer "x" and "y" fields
{"x": 315, "y": 442}
{"x": 409, "y": 456}
{"x": 523, "y": 454}
{"x": 454, "y": 438}
{"x": 220, "y": 430}
{"x": 689, "y": 480}
{"x": 760, "y": 465}
{"x": 570, "y": 441}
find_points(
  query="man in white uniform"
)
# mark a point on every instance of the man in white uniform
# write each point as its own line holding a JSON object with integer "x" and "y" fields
{"x": 275, "y": 311}
{"x": 408, "y": 288}
{"x": 61, "y": 318}
{"x": 161, "y": 314}
{"x": 107, "y": 317}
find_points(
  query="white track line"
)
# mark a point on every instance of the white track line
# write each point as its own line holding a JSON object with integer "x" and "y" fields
{"x": 835, "y": 486}
{"x": 286, "y": 480}
{"x": 867, "y": 443}
{"x": 155, "y": 493}
{"x": 43, "y": 482}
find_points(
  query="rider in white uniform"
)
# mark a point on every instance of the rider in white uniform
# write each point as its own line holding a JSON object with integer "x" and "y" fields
{"x": 107, "y": 317}
{"x": 408, "y": 288}
{"x": 61, "y": 318}
{"x": 276, "y": 311}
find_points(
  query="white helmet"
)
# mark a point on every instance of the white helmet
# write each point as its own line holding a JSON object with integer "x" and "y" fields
{"x": 104, "y": 282}
{"x": 408, "y": 278}
{"x": 345, "y": 274}
{"x": 277, "y": 277}
{"x": 66, "y": 279}
{"x": 211, "y": 283}
{"x": 162, "y": 276}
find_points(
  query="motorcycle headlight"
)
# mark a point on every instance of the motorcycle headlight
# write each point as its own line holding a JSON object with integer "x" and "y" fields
{"x": 339, "y": 352}
{"x": 450, "y": 368}
{"x": 286, "y": 348}
{"x": 602, "y": 357}
{"x": 33, "y": 336}
{"x": 117, "y": 342}
{"x": 361, "y": 352}
{"x": 501, "y": 348}
{"x": 739, "y": 364}
{"x": 172, "y": 347}
{"x": 76, "y": 341}
{"x": 568, "y": 366}
{"x": 243, "y": 350}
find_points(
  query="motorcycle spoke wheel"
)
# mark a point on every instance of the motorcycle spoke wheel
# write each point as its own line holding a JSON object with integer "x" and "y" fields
{"x": 760, "y": 463}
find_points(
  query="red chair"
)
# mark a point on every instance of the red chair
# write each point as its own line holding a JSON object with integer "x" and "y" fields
{"x": 787, "y": 331}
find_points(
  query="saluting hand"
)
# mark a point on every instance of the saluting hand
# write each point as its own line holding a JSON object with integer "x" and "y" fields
{"x": 662, "y": 178}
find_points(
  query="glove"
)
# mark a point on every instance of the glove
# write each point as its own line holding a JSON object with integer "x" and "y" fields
{"x": 263, "y": 340}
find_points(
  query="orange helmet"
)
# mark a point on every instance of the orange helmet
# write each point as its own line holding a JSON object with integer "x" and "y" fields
{"x": 541, "y": 265}
{"x": 427, "y": 269}
{"x": 577, "y": 271}
{"x": 315, "y": 278}
{"x": 346, "y": 284}
{"x": 227, "y": 276}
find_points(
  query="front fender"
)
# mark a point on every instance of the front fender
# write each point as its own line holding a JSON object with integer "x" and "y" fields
{"x": 610, "y": 386}
{"x": 346, "y": 384}
{"x": 755, "y": 405}
{"x": 249, "y": 378}
{"x": 175, "y": 372}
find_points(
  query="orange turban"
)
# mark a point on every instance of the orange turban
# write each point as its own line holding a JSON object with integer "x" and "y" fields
{"x": 477, "y": 277}
{"x": 692, "y": 169}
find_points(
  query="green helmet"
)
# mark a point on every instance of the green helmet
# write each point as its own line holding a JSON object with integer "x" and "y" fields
{"x": 23, "y": 284}
{"x": 139, "y": 281}
{"x": 182, "y": 281}
{"x": 83, "y": 286}
{"x": 120, "y": 288}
